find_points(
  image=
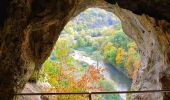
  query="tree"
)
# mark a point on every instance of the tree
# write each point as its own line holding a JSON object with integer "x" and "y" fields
{"x": 120, "y": 55}
{"x": 81, "y": 42}
{"x": 97, "y": 56}
{"x": 120, "y": 40}
{"x": 132, "y": 63}
{"x": 137, "y": 64}
{"x": 110, "y": 52}
{"x": 61, "y": 74}
{"x": 95, "y": 45}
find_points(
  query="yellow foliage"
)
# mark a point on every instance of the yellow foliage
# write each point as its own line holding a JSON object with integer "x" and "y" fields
{"x": 132, "y": 45}
{"x": 108, "y": 46}
{"x": 120, "y": 54}
{"x": 133, "y": 62}
{"x": 129, "y": 66}
{"x": 137, "y": 65}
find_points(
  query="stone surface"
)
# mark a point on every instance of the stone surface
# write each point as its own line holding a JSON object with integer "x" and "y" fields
{"x": 29, "y": 29}
{"x": 31, "y": 88}
{"x": 152, "y": 37}
{"x": 158, "y": 9}
{"x": 35, "y": 88}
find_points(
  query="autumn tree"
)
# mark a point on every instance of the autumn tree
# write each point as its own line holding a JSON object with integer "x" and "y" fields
{"x": 132, "y": 63}
{"x": 120, "y": 55}
{"x": 110, "y": 52}
{"x": 61, "y": 74}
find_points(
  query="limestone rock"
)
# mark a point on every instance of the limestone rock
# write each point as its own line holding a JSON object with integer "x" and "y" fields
{"x": 30, "y": 28}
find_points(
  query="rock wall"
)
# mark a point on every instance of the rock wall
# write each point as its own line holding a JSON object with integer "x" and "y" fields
{"x": 158, "y": 9}
{"x": 153, "y": 40}
{"x": 27, "y": 36}
{"x": 31, "y": 27}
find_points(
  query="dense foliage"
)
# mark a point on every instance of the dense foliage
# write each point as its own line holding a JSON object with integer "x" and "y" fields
{"x": 98, "y": 30}
{"x": 63, "y": 76}
{"x": 97, "y": 34}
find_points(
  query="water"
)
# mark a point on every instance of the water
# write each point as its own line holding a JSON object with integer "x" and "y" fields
{"x": 122, "y": 82}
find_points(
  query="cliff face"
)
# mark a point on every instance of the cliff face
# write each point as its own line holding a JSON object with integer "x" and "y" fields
{"x": 29, "y": 29}
{"x": 153, "y": 38}
{"x": 27, "y": 36}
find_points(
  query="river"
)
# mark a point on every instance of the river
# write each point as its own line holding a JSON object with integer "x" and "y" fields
{"x": 122, "y": 82}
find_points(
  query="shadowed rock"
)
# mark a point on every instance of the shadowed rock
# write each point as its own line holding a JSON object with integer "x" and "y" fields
{"x": 30, "y": 28}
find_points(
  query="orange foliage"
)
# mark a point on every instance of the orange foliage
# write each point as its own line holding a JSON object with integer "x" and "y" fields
{"x": 87, "y": 82}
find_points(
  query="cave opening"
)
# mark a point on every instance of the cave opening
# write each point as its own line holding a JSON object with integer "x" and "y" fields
{"x": 29, "y": 30}
{"x": 92, "y": 53}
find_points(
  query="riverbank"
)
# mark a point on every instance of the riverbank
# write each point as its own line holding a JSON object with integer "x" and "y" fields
{"x": 121, "y": 81}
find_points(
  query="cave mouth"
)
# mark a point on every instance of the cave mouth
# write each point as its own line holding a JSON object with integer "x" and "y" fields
{"x": 91, "y": 54}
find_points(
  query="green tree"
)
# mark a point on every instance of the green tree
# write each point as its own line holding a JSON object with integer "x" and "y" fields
{"x": 95, "y": 45}
{"x": 120, "y": 39}
{"x": 110, "y": 52}
{"x": 80, "y": 42}
{"x": 97, "y": 56}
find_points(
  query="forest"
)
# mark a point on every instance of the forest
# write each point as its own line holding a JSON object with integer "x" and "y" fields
{"x": 92, "y": 54}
